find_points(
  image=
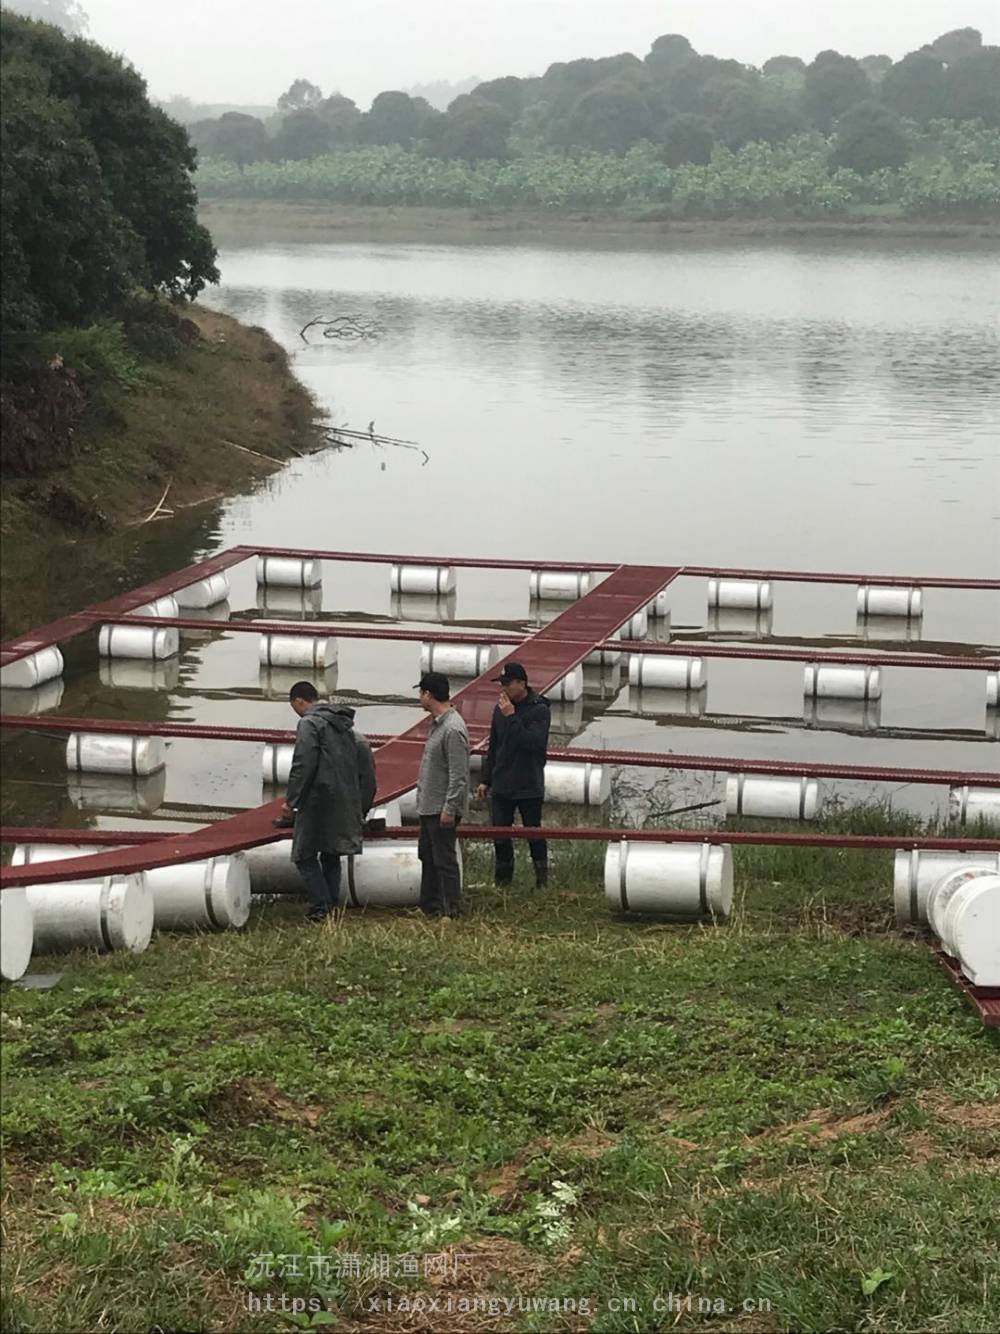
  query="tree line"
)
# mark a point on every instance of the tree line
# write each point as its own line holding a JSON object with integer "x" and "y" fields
{"x": 686, "y": 104}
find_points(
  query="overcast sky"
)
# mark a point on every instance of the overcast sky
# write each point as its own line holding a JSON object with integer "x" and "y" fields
{"x": 251, "y": 50}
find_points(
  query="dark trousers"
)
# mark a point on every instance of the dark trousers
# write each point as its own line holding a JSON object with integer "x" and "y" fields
{"x": 503, "y": 810}
{"x": 440, "y": 878}
{"x": 321, "y": 877}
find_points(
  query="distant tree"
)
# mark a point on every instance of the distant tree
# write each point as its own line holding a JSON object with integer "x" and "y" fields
{"x": 915, "y": 87}
{"x": 876, "y": 67}
{"x": 509, "y": 94}
{"x": 145, "y": 157}
{"x": 784, "y": 65}
{"x": 342, "y": 119}
{"x": 301, "y": 135}
{"x": 972, "y": 87}
{"x": 66, "y": 14}
{"x": 750, "y": 113}
{"x": 299, "y": 96}
{"x": 687, "y": 138}
{"x": 957, "y": 44}
{"x": 833, "y": 84}
{"x": 698, "y": 87}
{"x": 242, "y": 139}
{"x": 870, "y": 137}
{"x": 397, "y": 118}
{"x": 607, "y": 119}
{"x": 667, "y": 54}
{"x": 473, "y": 130}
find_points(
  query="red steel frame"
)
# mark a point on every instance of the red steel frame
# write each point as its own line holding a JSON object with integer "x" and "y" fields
{"x": 548, "y": 655}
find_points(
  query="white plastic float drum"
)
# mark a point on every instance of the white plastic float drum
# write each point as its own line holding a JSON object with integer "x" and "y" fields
{"x": 659, "y": 608}
{"x": 636, "y": 627}
{"x": 133, "y": 795}
{"x": 436, "y": 580}
{"x": 272, "y": 870}
{"x": 565, "y": 716}
{"x": 572, "y": 784}
{"x": 604, "y": 657}
{"x": 558, "y": 585}
{"x": 315, "y": 652}
{"x": 458, "y": 659}
{"x": 916, "y": 871}
{"x": 204, "y": 593}
{"x": 992, "y": 689}
{"x": 969, "y": 804}
{"x": 276, "y": 764}
{"x": 114, "y": 912}
{"x": 111, "y": 753}
{"x": 569, "y": 687}
{"x": 772, "y": 797}
{"x": 970, "y": 928}
{"x": 823, "y": 681}
{"x": 408, "y": 807}
{"x": 165, "y": 606}
{"x": 667, "y": 673}
{"x": 28, "y": 703}
{"x": 691, "y": 880}
{"x": 152, "y": 643}
{"x": 880, "y": 600}
{"x": 941, "y": 893}
{"x": 289, "y": 572}
{"x": 386, "y": 875}
{"x": 16, "y": 933}
{"x": 134, "y": 674}
{"x": 34, "y": 670}
{"x": 206, "y": 895}
{"x": 740, "y": 594}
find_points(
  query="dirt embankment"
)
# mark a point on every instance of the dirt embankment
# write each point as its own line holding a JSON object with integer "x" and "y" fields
{"x": 220, "y": 413}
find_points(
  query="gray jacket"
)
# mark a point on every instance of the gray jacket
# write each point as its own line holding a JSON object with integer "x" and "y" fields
{"x": 331, "y": 785}
{"x": 443, "y": 784}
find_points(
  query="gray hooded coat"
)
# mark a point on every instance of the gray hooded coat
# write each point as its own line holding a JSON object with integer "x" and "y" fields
{"x": 331, "y": 785}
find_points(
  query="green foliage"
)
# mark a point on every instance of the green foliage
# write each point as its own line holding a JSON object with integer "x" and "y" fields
{"x": 99, "y": 179}
{"x": 916, "y": 87}
{"x": 397, "y": 118}
{"x": 833, "y": 83}
{"x": 300, "y": 95}
{"x": 302, "y": 135}
{"x": 870, "y": 137}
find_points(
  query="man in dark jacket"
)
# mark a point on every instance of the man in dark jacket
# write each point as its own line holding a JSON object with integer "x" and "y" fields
{"x": 514, "y": 769}
{"x": 331, "y": 787}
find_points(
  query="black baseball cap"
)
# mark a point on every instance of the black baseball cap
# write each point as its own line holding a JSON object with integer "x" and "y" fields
{"x": 436, "y": 684}
{"x": 513, "y": 671}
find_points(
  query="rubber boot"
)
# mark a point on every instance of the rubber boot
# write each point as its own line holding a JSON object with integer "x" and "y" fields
{"x": 541, "y": 875}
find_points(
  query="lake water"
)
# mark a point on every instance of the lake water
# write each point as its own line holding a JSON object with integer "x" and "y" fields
{"x": 801, "y": 406}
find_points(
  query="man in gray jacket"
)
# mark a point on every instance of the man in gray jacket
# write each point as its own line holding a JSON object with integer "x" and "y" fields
{"x": 330, "y": 789}
{"x": 442, "y": 799}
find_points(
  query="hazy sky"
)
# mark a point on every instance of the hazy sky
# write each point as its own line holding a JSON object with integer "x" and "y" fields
{"x": 251, "y": 50}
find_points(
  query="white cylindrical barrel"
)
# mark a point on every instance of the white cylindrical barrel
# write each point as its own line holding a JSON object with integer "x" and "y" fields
{"x": 408, "y": 807}
{"x": 879, "y": 600}
{"x": 569, "y": 687}
{"x": 916, "y": 871}
{"x": 211, "y": 895}
{"x": 135, "y": 795}
{"x": 772, "y": 797}
{"x": 740, "y": 594}
{"x": 203, "y": 593}
{"x": 680, "y": 673}
{"x": 572, "y": 784}
{"x": 942, "y": 891}
{"x": 636, "y": 627}
{"x": 558, "y": 585}
{"x": 992, "y": 689}
{"x": 458, "y": 659}
{"x": 112, "y": 913}
{"x": 272, "y": 870}
{"x": 34, "y": 670}
{"x": 993, "y": 724}
{"x": 318, "y": 653}
{"x": 969, "y": 804}
{"x": 16, "y": 933}
{"x": 386, "y": 875}
{"x": 111, "y": 753}
{"x": 434, "y": 579}
{"x": 604, "y": 657}
{"x": 289, "y": 572}
{"x": 28, "y": 703}
{"x": 165, "y": 606}
{"x": 276, "y": 763}
{"x": 823, "y": 681}
{"x": 153, "y": 644}
{"x": 970, "y": 928}
{"x": 691, "y": 880}
{"x": 659, "y": 608}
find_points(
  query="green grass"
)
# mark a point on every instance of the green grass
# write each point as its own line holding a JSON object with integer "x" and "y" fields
{"x": 792, "y": 1109}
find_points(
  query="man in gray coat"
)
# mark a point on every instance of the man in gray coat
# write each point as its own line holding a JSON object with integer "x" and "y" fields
{"x": 442, "y": 799}
{"x": 331, "y": 787}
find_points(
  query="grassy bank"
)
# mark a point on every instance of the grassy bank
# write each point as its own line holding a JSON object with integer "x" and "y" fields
{"x": 205, "y": 415}
{"x": 792, "y": 1117}
{"x": 264, "y": 221}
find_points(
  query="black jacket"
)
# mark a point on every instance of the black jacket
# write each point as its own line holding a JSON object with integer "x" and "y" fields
{"x": 514, "y": 765}
{"x": 331, "y": 784}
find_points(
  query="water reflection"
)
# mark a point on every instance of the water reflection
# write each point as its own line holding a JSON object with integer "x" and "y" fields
{"x": 651, "y": 702}
{"x": 131, "y": 674}
{"x": 885, "y": 629}
{"x": 423, "y": 607}
{"x": 290, "y": 603}
{"x": 742, "y": 622}
{"x": 26, "y": 703}
{"x": 275, "y": 682}
{"x": 853, "y": 715}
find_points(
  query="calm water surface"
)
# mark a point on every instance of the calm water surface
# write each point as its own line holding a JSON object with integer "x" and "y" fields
{"x": 799, "y": 407}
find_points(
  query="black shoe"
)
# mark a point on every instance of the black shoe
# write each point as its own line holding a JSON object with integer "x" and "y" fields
{"x": 503, "y": 881}
{"x": 457, "y": 911}
{"x": 432, "y": 910}
{"x": 541, "y": 877}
